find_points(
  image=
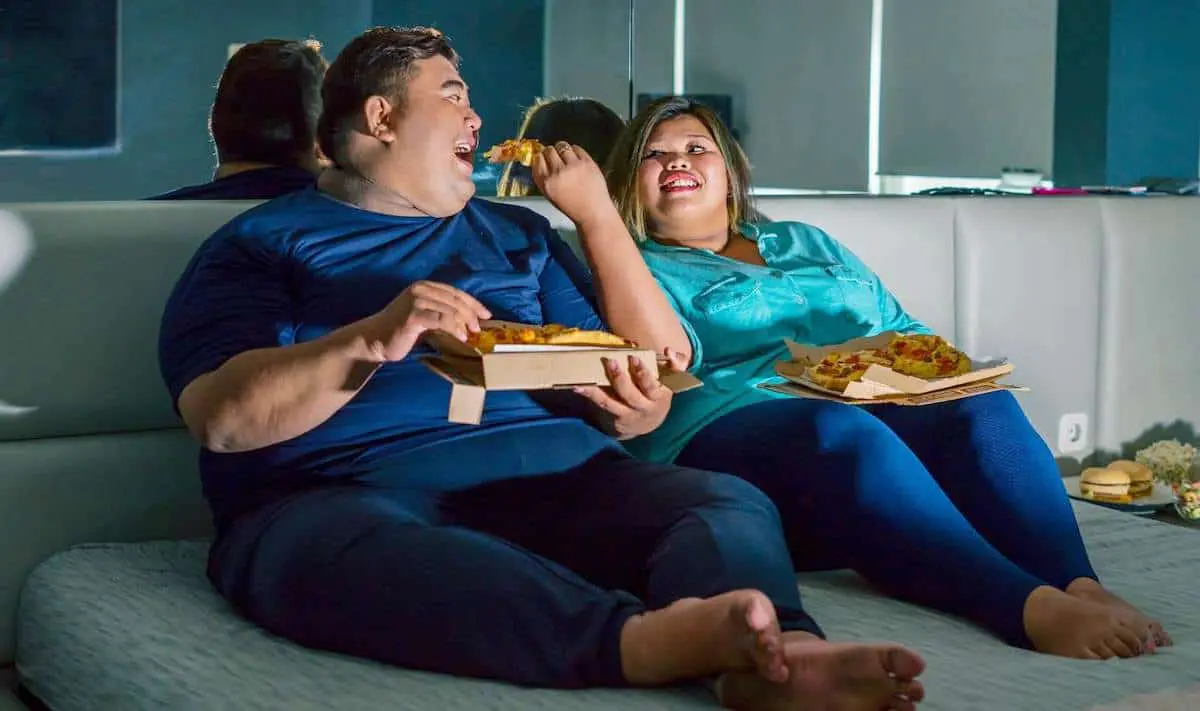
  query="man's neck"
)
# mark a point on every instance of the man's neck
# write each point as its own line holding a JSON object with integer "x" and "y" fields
{"x": 224, "y": 170}
{"x": 364, "y": 192}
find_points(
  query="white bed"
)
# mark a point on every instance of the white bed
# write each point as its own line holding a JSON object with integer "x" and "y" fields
{"x": 136, "y": 626}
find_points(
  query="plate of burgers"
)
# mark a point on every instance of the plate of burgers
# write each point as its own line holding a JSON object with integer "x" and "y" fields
{"x": 1123, "y": 484}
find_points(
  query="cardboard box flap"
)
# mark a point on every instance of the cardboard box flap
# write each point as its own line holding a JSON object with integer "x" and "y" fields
{"x": 911, "y": 385}
{"x": 678, "y": 381}
{"x": 947, "y": 395}
{"x": 468, "y": 392}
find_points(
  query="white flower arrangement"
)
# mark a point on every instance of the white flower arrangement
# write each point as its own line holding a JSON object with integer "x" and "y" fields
{"x": 1171, "y": 461}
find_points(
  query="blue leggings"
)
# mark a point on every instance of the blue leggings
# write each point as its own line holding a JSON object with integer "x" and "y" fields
{"x": 527, "y": 579}
{"x": 958, "y": 506}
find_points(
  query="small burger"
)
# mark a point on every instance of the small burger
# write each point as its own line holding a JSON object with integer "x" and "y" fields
{"x": 1141, "y": 479}
{"x": 1101, "y": 484}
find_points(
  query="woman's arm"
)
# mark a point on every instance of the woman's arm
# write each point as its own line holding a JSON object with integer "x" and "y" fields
{"x": 630, "y": 299}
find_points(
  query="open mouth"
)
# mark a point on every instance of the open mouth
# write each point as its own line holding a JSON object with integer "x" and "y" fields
{"x": 679, "y": 182}
{"x": 465, "y": 152}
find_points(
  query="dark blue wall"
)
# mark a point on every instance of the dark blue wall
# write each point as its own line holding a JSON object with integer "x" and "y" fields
{"x": 1127, "y": 94}
{"x": 1154, "y": 89}
{"x": 1081, "y": 93}
{"x": 172, "y": 53}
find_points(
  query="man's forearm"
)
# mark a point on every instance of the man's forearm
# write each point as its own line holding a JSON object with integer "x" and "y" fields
{"x": 270, "y": 395}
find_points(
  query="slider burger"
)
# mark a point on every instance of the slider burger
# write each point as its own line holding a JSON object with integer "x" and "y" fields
{"x": 1141, "y": 479}
{"x": 1101, "y": 484}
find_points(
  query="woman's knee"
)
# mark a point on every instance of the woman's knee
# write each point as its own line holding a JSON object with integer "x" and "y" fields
{"x": 996, "y": 412}
{"x": 999, "y": 404}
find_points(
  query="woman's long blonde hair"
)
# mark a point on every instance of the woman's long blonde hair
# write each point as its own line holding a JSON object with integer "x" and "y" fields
{"x": 626, "y": 159}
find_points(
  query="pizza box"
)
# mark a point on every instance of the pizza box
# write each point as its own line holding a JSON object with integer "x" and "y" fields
{"x": 956, "y": 393}
{"x": 529, "y": 367}
{"x": 882, "y": 384}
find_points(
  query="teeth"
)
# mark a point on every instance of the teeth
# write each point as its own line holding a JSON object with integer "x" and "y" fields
{"x": 681, "y": 183}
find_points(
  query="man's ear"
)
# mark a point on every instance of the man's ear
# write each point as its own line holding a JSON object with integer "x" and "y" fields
{"x": 317, "y": 161}
{"x": 378, "y": 114}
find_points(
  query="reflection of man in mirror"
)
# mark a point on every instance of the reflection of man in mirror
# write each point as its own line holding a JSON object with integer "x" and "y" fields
{"x": 264, "y": 123}
{"x": 582, "y": 122}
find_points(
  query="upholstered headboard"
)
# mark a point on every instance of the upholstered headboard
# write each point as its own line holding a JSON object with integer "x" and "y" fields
{"x": 1092, "y": 298}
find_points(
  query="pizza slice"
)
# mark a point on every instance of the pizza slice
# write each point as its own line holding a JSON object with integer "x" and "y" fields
{"x": 549, "y": 335}
{"x": 927, "y": 356}
{"x": 520, "y": 150}
{"x": 837, "y": 370}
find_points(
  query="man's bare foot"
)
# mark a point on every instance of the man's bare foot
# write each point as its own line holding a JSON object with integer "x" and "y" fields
{"x": 1067, "y": 626}
{"x": 830, "y": 675}
{"x": 1089, "y": 589}
{"x": 693, "y": 638}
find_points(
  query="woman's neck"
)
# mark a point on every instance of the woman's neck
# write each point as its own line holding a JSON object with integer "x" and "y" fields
{"x": 713, "y": 241}
{"x": 729, "y": 243}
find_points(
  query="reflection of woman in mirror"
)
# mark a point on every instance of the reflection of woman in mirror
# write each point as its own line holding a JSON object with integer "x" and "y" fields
{"x": 583, "y": 122}
{"x": 903, "y": 495}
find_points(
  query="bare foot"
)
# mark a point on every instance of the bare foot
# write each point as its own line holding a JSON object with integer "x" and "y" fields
{"x": 1088, "y": 589}
{"x": 1067, "y": 626}
{"x": 693, "y": 638}
{"x": 830, "y": 675}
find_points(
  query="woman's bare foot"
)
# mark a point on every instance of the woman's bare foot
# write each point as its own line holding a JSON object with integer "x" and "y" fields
{"x": 1088, "y": 589}
{"x": 830, "y": 675}
{"x": 692, "y": 638}
{"x": 1067, "y": 626}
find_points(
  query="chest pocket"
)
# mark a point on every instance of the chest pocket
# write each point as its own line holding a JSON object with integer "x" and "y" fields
{"x": 734, "y": 298}
{"x": 858, "y": 295}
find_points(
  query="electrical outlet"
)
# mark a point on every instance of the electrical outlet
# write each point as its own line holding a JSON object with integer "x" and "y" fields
{"x": 1073, "y": 433}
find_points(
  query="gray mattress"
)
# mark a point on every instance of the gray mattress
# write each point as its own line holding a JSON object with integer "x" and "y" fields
{"x": 136, "y": 626}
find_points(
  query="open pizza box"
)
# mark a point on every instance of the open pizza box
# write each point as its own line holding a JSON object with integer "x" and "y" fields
{"x": 472, "y": 373}
{"x": 881, "y": 384}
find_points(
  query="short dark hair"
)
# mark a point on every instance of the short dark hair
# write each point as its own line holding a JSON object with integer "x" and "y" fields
{"x": 268, "y": 102}
{"x": 379, "y": 62}
{"x": 584, "y": 122}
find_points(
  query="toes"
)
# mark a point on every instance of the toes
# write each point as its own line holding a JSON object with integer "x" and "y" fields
{"x": 908, "y": 695}
{"x": 913, "y": 691}
{"x": 903, "y": 664}
{"x": 1130, "y": 642}
{"x": 760, "y": 615}
{"x": 1161, "y": 638}
{"x": 774, "y": 667}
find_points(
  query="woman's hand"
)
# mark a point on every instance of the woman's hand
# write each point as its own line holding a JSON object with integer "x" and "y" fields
{"x": 573, "y": 183}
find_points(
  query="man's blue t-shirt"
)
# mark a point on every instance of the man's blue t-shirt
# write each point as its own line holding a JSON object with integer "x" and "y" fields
{"x": 257, "y": 184}
{"x": 300, "y": 266}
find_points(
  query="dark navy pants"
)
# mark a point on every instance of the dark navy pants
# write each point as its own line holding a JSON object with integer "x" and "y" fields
{"x": 527, "y": 580}
{"x": 958, "y": 506}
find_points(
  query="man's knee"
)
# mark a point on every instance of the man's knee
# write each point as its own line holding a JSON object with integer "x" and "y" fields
{"x": 728, "y": 492}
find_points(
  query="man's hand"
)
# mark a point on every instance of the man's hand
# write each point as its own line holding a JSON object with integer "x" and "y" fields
{"x": 424, "y": 306}
{"x": 572, "y": 182}
{"x": 636, "y": 402}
